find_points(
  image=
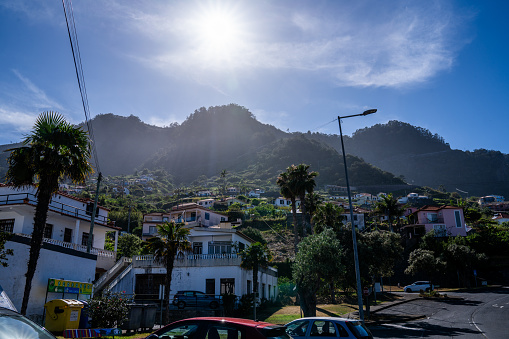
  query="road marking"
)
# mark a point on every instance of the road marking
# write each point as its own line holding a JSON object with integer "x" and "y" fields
{"x": 402, "y": 327}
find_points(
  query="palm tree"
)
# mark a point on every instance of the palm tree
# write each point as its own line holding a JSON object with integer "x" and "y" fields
{"x": 284, "y": 181}
{"x": 255, "y": 256}
{"x": 328, "y": 215}
{"x": 171, "y": 241}
{"x": 54, "y": 149}
{"x": 223, "y": 175}
{"x": 304, "y": 182}
{"x": 389, "y": 206}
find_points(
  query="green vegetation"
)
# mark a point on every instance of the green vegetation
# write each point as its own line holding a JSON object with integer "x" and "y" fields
{"x": 52, "y": 150}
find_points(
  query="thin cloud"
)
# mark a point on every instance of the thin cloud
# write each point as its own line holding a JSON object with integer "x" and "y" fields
{"x": 39, "y": 97}
{"x": 402, "y": 46}
{"x": 16, "y": 120}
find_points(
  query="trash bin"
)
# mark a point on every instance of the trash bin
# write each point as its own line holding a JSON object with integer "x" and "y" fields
{"x": 133, "y": 321}
{"x": 148, "y": 318}
{"x": 62, "y": 314}
{"x": 84, "y": 317}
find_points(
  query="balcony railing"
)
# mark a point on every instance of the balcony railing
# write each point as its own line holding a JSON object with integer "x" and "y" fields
{"x": 97, "y": 251}
{"x": 55, "y": 206}
{"x": 191, "y": 260}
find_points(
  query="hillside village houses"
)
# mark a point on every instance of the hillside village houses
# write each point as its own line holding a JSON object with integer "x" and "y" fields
{"x": 444, "y": 220}
{"x": 64, "y": 253}
{"x": 213, "y": 266}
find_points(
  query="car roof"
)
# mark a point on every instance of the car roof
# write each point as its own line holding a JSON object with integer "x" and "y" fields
{"x": 327, "y": 318}
{"x": 237, "y": 321}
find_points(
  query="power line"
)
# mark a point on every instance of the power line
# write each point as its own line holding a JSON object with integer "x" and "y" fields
{"x": 73, "y": 39}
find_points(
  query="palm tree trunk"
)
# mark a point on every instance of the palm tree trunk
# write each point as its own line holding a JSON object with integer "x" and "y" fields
{"x": 304, "y": 216}
{"x": 255, "y": 288}
{"x": 169, "y": 271}
{"x": 41, "y": 214}
{"x": 295, "y": 227}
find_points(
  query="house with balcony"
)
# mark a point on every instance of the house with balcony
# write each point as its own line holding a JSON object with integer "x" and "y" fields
{"x": 445, "y": 221}
{"x": 213, "y": 267}
{"x": 64, "y": 252}
{"x": 191, "y": 214}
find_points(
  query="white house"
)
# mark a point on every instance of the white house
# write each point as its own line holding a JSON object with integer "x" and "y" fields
{"x": 284, "y": 202}
{"x": 207, "y": 203}
{"x": 191, "y": 214}
{"x": 64, "y": 252}
{"x": 213, "y": 267}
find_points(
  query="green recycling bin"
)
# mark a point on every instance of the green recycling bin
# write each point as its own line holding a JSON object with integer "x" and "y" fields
{"x": 62, "y": 314}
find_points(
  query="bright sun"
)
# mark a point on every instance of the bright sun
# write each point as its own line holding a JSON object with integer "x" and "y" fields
{"x": 217, "y": 33}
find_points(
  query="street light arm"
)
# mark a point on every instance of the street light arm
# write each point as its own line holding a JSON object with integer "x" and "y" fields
{"x": 367, "y": 112}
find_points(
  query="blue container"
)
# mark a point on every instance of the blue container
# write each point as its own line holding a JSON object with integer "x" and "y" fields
{"x": 85, "y": 318}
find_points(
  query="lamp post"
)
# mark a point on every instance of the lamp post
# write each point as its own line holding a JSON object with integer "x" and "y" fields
{"x": 354, "y": 238}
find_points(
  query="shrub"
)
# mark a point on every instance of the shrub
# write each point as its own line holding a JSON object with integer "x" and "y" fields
{"x": 109, "y": 309}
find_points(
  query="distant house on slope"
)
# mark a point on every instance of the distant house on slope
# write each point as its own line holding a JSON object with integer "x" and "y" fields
{"x": 443, "y": 220}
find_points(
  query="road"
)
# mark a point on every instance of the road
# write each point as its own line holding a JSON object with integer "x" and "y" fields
{"x": 478, "y": 314}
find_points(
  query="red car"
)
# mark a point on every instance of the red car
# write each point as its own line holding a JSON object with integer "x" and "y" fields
{"x": 216, "y": 328}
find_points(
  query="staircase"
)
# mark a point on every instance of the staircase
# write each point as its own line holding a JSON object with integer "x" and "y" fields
{"x": 112, "y": 273}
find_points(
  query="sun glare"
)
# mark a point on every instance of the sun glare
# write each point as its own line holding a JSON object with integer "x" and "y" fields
{"x": 217, "y": 33}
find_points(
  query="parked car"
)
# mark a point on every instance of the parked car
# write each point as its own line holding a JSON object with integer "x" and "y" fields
{"x": 327, "y": 327}
{"x": 418, "y": 286}
{"x": 216, "y": 328}
{"x": 195, "y": 298}
{"x": 14, "y": 325}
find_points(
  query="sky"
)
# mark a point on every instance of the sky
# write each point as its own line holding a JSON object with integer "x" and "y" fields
{"x": 298, "y": 65}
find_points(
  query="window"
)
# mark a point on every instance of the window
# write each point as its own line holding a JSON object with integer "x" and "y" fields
{"x": 210, "y": 286}
{"x": 207, "y": 216}
{"x": 242, "y": 246}
{"x": 223, "y": 331}
{"x": 457, "y": 216}
{"x": 223, "y": 219}
{"x": 7, "y": 225}
{"x": 197, "y": 248}
{"x": 187, "y": 330}
{"x": 152, "y": 230}
{"x": 84, "y": 239}
{"x": 432, "y": 217}
{"x": 228, "y": 286}
{"x": 165, "y": 219}
{"x": 68, "y": 235}
{"x": 263, "y": 291}
{"x": 281, "y": 202}
{"x": 322, "y": 328}
{"x": 220, "y": 247}
{"x": 147, "y": 286}
{"x": 298, "y": 328}
{"x": 439, "y": 230}
{"x": 269, "y": 291}
{"x": 48, "y": 231}
{"x": 249, "y": 289}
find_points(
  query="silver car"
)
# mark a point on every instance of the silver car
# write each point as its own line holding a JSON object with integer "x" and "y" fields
{"x": 327, "y": 327}
{"x": 418, "y": 286}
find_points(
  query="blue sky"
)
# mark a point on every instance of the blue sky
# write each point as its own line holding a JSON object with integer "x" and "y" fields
{"x": 442, "y": 65}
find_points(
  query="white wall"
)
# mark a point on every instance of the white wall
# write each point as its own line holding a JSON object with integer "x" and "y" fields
{"x": 51, "y": 264}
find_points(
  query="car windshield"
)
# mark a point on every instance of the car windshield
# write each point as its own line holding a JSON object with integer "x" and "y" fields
{"x": 13, "y": 325}
{"x": 359, "y": 330}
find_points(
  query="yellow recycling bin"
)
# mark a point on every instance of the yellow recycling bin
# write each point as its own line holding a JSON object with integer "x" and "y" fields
{"x": 62, "y": 314}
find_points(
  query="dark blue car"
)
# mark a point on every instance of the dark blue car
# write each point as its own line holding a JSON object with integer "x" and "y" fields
{"x": 195, "y": 299}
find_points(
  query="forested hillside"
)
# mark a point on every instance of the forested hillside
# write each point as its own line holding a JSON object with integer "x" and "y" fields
{"x": 229, "y": 137}
{"x": 426, "y": 159}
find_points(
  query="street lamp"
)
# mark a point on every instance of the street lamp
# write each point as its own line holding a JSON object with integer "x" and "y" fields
{"x": 354, "y": 238}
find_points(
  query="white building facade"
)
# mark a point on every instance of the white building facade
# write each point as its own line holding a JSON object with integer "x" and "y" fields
{"x": 64, "y": 250}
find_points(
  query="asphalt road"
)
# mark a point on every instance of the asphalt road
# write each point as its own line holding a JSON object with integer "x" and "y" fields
{"x": 474, "y": 314}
